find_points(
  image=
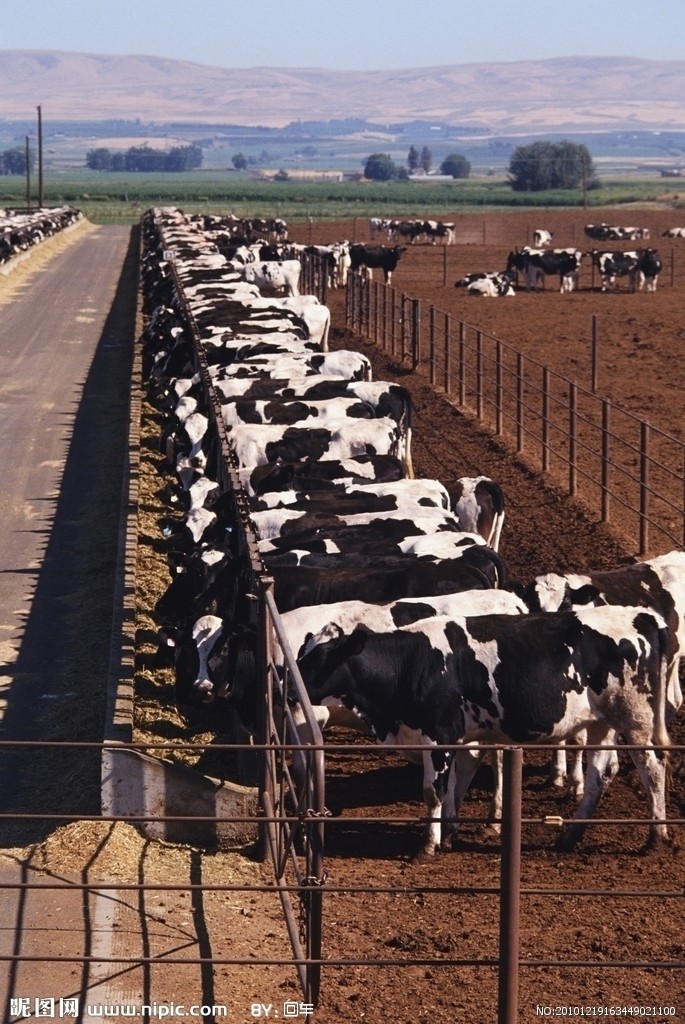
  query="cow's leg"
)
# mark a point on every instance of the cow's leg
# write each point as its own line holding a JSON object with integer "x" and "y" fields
{"x": 495, "y": 812}
{"x": 433, "y": 796}
{"x": 653, "y": 772}
{"x": 599, "y": 773}
{"x": 559, "y": 769}
{"x": 462, "y": 770}
{"x": 578, "y": 775}
{"x": 406, "y": 455}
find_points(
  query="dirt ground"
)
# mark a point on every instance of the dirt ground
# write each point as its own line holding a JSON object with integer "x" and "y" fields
{"x": 415, "y": 919}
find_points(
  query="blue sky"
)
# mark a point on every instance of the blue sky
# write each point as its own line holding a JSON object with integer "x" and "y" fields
{"x": 348, "y": 34}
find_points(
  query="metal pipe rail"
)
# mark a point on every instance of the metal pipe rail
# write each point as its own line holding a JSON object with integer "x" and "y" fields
{"x": 308, "y": 957}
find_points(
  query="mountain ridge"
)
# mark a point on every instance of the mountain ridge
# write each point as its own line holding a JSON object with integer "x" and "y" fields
{"x": 582, "y": 93}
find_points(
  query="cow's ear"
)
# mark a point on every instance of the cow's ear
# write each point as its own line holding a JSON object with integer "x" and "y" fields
{"x": 357, "y": 640}
{"x": 515, "y": 587}
{"x": 586, "y": 594}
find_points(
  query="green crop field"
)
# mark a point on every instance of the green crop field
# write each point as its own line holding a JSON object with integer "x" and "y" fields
{"x": 122, "y": 198}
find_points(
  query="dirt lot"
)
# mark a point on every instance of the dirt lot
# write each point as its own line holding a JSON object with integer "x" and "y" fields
{"x": 641, "y": 338}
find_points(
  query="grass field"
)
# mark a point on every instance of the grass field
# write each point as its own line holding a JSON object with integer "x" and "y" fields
{"x": 121, "y": 198}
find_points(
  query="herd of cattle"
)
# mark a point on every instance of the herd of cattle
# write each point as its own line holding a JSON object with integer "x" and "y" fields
{"x": 391, "y": 589}
{"x": 533, "y": 264}
{"x": 20, "y": 231}
{"x": 432, "y": 231}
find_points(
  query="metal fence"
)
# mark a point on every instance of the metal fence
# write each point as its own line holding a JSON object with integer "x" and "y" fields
{"x": 618, "y": 465}
{"x": 296, "y": 831}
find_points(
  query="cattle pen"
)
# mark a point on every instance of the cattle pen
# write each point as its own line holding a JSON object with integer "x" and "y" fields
{"x": 308, "y": 847}
{"x": 606, "y": 456}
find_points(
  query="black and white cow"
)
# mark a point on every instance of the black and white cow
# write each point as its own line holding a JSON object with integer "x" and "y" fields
{"x": 658, "y": 583}
{"x": 490, "y": 284}
{"x": 311, "y": 625}
{"x": 344, "y": 364}
{"x": 316, "y": 316}
{"x": 536, "y": 264}
{"x": 410, "y": 520}
{"x": 376, "y": 257}
{"x": 542, "y": 237}
{"x": 641, "y": 266}
{"x": 295, "y": 411}
{"x": 270, "y": 276}
{"x": 406, "y": 229}
{"x": 205, "y": 580}
{"x": 477, "y": 569}
{"x": 478, "y": 503}
{"x": 346, "y": 498}
{"x": 614, "y": 233}
{"x": 257, "y": 445}
{"x": 311, "y": 477}
{"x": 674, "y": 233}
{"x": 376, "y": 225}
{"x": 541, "y": 678}
{"x": 442, "y": 230}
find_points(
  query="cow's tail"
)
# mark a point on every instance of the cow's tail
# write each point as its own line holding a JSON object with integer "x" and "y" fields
{"x": 407, "y": 460}
{"x": 487, "y": 561}
{"x": 496, "y": 497}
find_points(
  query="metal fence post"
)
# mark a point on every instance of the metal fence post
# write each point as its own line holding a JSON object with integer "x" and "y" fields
{"x": 462, "y": 363}
{"x": 510, "y": 887}
{"x": 545, "y": 419}
{"x": 415, "y": 332}
{"x": 519, "y": 402}
{"x": 431, "y": 336}
{"x": 644, "y": 487}
{"x": 572, "y": 439}
{"x": 606, "y": 463}
{"x": 479, "y": 374}
{"x": 499, "y": 421}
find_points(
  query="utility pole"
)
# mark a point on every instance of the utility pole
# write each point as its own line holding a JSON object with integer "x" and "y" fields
{"x": 28, "y": 177}
{"x": 40, "y": 158}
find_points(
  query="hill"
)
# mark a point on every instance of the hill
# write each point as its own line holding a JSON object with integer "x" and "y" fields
{"x": 574, "y": 94}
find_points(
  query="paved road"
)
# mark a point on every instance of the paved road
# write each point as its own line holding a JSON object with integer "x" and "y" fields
{"x": 65, "y": 347}
{"x": 66, "y": 339}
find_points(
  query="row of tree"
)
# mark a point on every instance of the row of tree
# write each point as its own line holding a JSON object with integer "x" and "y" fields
{"x": 144, "y": 158}
{"x": 381, "y": 166}
{"x": 532, "y": 168}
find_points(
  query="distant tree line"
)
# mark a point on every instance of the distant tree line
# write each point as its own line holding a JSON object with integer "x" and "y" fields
{"x": 13, "y": 161}
{"x": 144, "y": 158}
{"x": 381, "y": 166}
{"x": 543, "y": 165}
